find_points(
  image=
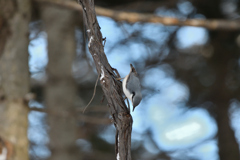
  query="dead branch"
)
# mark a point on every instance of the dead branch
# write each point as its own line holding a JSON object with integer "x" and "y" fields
{"x": 111, "y": 87}
{"x": 169, "y": 21}
{"x": 131, "y": 17}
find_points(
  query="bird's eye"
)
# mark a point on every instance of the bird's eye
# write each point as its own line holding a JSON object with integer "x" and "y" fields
{"x": 133, "y": 94}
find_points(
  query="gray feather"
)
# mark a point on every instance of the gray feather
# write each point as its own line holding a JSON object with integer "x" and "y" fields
{"x": 133, "y": 83}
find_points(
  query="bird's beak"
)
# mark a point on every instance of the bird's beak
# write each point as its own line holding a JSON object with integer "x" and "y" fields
{"x": 132, "y": 68}
{"x": 133, "y": 108}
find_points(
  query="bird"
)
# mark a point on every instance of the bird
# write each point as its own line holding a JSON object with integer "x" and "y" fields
{"x": 132, "y": 88}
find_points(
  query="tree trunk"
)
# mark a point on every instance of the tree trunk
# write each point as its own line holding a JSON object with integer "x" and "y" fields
{"x": 14, "y": 72}
{"x": 60, "y": 91}
{"x": 111, "y": 87}
{"x": 225, "y": 50}
{"x": 228, "y": 146}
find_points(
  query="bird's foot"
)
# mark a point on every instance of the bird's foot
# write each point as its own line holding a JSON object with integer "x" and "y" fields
{"x": 119, "y": 79}
{"x": 128, "y": 105}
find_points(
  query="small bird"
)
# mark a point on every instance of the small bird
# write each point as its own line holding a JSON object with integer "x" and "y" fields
{"x": 131, "y": 87}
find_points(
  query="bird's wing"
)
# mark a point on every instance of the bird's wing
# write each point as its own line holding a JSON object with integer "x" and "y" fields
{"x": 133, "y": 83}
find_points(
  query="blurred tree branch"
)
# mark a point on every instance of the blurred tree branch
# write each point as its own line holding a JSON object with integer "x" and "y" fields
{"x": 84, "y": 118}
{"x": 95, "y": 108}
{"x": 131, "y": 17}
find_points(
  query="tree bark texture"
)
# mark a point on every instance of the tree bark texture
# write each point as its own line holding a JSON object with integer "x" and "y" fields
{"x": 14, "y": 73}
{"x": 111, "y": 87}
{"x": 61, "y": 90}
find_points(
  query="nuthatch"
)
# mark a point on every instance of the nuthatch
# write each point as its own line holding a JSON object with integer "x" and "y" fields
{"x": 131, "y": 87}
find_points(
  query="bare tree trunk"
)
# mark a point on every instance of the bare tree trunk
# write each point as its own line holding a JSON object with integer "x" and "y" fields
{"x": 60, "y": 91}
{"x": 221, "y": 94}
{"x": 111, "y": 87}
{"x": 228, "y": 146}
{"x": 14, "y": 21}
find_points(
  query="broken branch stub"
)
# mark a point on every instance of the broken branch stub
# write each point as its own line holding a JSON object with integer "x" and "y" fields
{"x": 111, "y": 87}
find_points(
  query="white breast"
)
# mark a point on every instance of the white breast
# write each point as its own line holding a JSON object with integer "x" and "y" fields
{"x": 125, "y": 91}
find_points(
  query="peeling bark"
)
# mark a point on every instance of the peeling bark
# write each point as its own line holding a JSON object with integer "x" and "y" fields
{"x": 111, "y": 87}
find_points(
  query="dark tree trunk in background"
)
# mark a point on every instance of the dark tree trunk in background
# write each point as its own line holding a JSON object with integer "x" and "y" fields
{"x": 111, "y": 87}
{"x": 228, "y": 146}
{"x": 223, "y": 61}
{"x": 14, "y": 73}
{"x": 60, "y": 91}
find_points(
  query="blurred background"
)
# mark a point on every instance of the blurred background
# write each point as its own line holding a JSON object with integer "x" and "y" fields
{"x": 190, "y": 79}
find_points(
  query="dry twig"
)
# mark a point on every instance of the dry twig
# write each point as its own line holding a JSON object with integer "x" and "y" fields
{"x": 131, "y": 17}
